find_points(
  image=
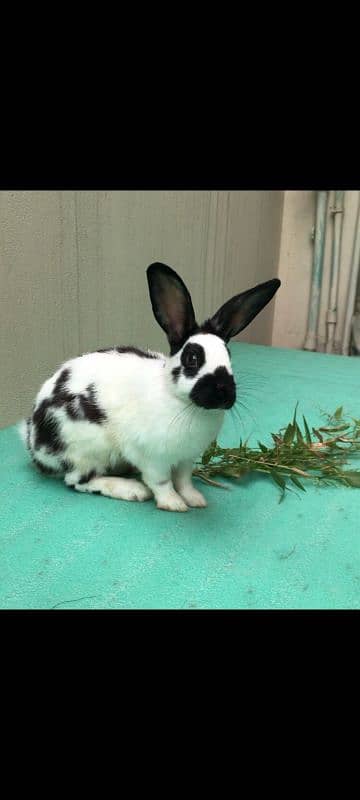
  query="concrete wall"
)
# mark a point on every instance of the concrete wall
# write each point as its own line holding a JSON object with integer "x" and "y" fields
{"x": 72, "y": 271}
{"x": 295, "y": 268}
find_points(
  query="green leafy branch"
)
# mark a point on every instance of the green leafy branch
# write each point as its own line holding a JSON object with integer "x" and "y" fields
{"x": 297, "y": 454}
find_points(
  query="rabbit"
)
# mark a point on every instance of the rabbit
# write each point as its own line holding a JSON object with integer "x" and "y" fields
{"x": 118, "y": 409}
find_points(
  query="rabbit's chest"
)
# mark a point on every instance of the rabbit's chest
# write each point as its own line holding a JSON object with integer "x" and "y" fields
{"x": 186, "y": 439}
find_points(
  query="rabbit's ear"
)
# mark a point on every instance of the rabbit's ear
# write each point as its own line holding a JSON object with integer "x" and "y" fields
{"x": 171, "y": 304}
{"x": 236, "y": 314}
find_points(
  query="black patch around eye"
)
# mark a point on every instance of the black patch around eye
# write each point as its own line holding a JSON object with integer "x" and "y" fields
{"x": 175, "y": 373}
{"x": 192, "y": 359}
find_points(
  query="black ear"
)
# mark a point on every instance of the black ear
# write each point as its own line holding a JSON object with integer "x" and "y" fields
{"x": 171, "y": 304}
{"x": 236, "y": 314}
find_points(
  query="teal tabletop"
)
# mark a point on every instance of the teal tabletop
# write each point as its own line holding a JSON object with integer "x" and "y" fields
{"x": 65, "y": 550}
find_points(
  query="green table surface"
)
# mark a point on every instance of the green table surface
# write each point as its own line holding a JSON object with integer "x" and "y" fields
{"x": 62, "y": 549}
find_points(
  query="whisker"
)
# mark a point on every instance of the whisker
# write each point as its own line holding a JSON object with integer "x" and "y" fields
{"x": 179, "y": 414}
{"x": 234, "y": 418}
{"x": 239, "y": 417}
{"x": 245, "y": 407}
{"x": 183, "y": 416}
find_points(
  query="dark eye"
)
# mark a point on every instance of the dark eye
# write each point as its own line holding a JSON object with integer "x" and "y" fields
{"x": 191, "y": 360}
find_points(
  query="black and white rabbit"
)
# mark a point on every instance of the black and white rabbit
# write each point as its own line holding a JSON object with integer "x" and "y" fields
{"x": 102, "y": 412}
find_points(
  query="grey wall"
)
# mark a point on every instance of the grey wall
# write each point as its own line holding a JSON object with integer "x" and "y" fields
{"x": 72, "y": 271}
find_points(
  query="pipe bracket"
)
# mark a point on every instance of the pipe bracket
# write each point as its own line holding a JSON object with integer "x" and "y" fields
{"x": 331, "y": 316}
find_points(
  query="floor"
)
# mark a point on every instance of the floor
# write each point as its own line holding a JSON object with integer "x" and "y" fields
{"x": 63, "y": 550}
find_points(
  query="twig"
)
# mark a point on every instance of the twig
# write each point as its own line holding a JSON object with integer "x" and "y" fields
{"x": 76, "y": 600}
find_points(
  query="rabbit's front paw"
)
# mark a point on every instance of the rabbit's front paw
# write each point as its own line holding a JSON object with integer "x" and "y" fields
{"x": 193, "y": 498}
{"x": 172, "y": 502}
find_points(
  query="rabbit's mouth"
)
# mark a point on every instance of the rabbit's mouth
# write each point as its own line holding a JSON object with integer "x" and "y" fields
{"x": 215, "y": 390}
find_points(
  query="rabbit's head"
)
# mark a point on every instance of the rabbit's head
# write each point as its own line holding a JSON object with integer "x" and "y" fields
{"x": 199, "y": 364}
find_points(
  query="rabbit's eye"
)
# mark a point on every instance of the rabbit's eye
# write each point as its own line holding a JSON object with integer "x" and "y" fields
{"x": 192, "y": 360}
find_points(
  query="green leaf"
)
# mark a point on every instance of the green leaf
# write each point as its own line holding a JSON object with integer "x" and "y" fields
{"x": 289, "y": 433}
{"x": 325, "y": 465}
{"x": 307, "y": 431}
{"x": 277, "y": 439}
{"x": 294, "y": 417}
{"x": 299, "y": 435}
{"x": 298, "y": 483}
{"x": 209, "y": 453}
{"x": 233, "y": 472}
{"x": 337, "y": 429}
{"x": 318, "y": 435}
{"x": 352, "y": 477}
{"x": 278, "y": 479}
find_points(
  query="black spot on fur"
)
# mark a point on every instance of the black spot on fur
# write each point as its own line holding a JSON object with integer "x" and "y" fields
{"x": 47, "y": 432}
{"x": 192, "y": 359}
{"x": 82, "y": 406}
{"x": 134, "y": 350}
{"x": 72, "y": 407}
{"x": 61, "y": 381}
{"x": 209, "y": 327}
{"x": 92, "y": 412}
{"x": 66, "y": 466}
{"x": 88, "y": 477}
{"x": 28, "y": 429}
{"x": 175, "y": 373}
{"x": 44, "y": 468}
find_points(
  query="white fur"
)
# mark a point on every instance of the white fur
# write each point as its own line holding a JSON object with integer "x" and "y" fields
{"x": 150, "y": 423}
{"x": 22, "y": 430}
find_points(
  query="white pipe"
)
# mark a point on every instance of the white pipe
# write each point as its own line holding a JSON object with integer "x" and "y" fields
{"x": 352, "y": 285}
{"x": 331, "y": 317}
{"x": 316, "y": 280}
